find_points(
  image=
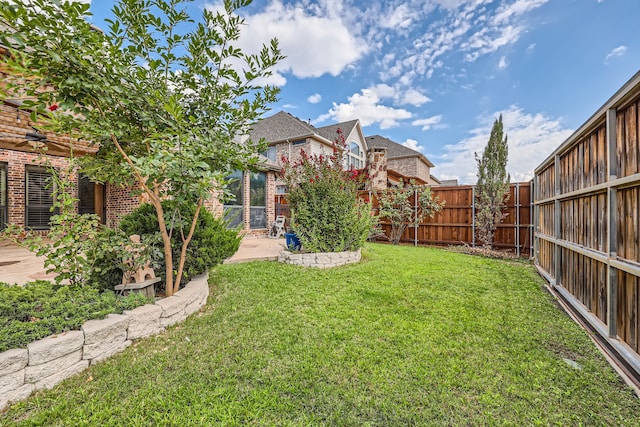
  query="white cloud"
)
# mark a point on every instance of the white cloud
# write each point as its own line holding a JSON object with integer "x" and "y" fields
{"x": 531, "y": 138}
{"x": 427, "y": 123}
{"x": 489, "y": 40}
{"x": 315, "y": 98}
{"x": 368, "y": 107}
{"x": 303, "y": 31}
{"x": 507, "y": 11}
{"x": 401, "y": 17}
{"x": 618, "y": 51}
{"x": 413, "y": 97}
{"x": 413, "y": 144}
{"x": 502, "y": 64}
{"x": 471, "y": 27}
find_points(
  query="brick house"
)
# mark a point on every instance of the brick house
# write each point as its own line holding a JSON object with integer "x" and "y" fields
{"x": 286, "y": 135}
{"x": 26, "y": 196}
{"x": 25, "y": 193}
{"x": 403, "y": 162}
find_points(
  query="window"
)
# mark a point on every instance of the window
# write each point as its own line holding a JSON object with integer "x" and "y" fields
{"x": 39, "y": 198}
{"x": 281, "y": 189}
{"x": 271, "y": 153}
{"x": 258, "y": 200}
{"x": 90, "y": 197}
{"x": 233, "y": 209}
{"x": 355, "y": 157}
{"x": 4, "y": 212}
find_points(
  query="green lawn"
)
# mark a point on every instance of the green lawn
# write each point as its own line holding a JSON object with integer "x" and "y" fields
{"x": 410, "y": 336}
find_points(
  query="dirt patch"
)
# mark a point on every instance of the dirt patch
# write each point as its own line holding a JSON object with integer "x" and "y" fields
{"x": 485, "y": 252}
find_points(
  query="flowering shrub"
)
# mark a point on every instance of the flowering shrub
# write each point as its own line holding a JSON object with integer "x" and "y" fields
{"x": 326, "y": 214}
{"x": 398, "y": 206}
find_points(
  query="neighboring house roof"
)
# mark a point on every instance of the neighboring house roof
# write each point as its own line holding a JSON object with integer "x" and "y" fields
{"x": 280, "y": 127}
{"x": 331, "y": 132}
{"x": 395, "y": 150}
{"x": 284, "y": 127}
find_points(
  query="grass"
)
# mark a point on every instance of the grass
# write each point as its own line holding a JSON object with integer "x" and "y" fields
{"x": 410, "y": 336}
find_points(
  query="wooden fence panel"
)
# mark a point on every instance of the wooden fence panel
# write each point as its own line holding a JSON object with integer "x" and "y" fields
{"x": 627, "y": 313}
{"x": 628, "y": 224}
{"x": 587, "y": 221}
{"x": 546, "y": 182}
{"x": 454, "y": 224}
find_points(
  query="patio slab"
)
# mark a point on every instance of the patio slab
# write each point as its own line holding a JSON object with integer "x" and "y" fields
{"x": 19, "y": 266}
{"x": 257, "y": 249}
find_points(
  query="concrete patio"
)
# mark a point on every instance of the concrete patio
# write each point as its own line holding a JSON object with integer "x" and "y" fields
{"x": 19, "y": 266}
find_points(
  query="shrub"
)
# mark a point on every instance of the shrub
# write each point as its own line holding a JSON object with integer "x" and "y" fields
{"x": 326, "y": 213}
{"x": 107, "y": 252}
{"x": 212, "y": 240}
{"x": 398, "y": 206}
{"x": 40, "y": 309}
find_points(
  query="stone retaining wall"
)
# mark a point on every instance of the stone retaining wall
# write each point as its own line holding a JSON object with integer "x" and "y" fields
{"x": 46, "y": 362}
{"x": 320, "y": 260}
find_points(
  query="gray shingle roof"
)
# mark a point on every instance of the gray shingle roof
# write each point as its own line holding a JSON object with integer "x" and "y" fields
{"x": 331, "y": 132}
{"x": 280, "y": 127}
{"x": 394, "y": 149}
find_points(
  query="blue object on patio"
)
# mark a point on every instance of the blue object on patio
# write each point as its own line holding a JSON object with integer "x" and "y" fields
{"x": 292, "y": 241}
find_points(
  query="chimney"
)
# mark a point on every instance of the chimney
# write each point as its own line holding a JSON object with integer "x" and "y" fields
{"x": 377, "y": 159}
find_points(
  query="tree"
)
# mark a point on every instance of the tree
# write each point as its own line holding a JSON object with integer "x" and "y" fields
{"x": 162, "y": 96}
{"x": 405, "y": 205}
{"x": 492, "y": 188}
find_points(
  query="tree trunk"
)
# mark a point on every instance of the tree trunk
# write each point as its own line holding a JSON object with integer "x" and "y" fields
{"x": 185, "y": 244}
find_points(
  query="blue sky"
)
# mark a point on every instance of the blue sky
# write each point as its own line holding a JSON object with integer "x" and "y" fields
{"x": 434, "y": 74}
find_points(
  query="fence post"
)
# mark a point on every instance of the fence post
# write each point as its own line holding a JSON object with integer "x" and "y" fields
{"x": 612, "y": 224}
{"x": 533, "y": 219}
{"x": 557, "y": 231}
{"x": 517, "y": 225}
{"x": 415, "y": 217}
{"x": 473, "y": 216}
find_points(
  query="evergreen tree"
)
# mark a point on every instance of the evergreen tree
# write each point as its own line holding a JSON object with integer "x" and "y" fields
{"x": 492, "y": 188}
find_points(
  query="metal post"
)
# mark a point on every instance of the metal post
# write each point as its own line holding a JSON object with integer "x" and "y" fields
{"x": 415, "y": 216}
{"x": 612, "y": 224}
{"x": 557, "y": 232}
{"x": 517, "y": 225}
{"x": 533, "y": 210}
{"x": 473, "y": 216}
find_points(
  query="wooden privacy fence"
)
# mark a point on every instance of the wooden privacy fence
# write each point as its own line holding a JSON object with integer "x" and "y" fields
{"x": 454, "y": 224}
{"x": 587, "y": 222}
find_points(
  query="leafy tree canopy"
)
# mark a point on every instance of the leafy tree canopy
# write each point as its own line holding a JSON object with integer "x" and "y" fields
{"x": 163, "y": 96}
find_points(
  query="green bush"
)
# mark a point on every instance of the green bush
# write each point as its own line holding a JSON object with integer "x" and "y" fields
{"x": 107, "y": 252}
{"x": 40, "y": 309}
{"x": 211, "y": 244}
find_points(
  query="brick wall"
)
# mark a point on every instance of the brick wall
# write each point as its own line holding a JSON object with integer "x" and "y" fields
{"x": 120, "y": 201}
{"x": 18, "y": 162}
{"x": 410, "y": 166}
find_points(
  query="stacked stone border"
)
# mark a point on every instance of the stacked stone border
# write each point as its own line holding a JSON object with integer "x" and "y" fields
{"x": 46, "y": 362}
{"x": 321, "y": 259}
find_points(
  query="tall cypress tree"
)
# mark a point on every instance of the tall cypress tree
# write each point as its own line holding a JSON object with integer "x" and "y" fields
{"x": 492, "y": 188}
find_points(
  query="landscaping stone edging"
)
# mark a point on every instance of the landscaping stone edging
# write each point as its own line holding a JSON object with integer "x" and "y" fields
{"x": 321, "y": 259}
{"x": 47, "y": 362}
